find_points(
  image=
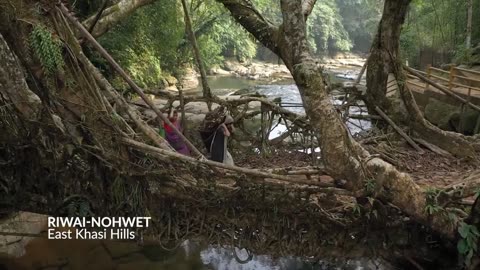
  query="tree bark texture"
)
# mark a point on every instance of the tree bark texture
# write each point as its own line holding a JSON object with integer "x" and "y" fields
{"x": 385, "y": 45}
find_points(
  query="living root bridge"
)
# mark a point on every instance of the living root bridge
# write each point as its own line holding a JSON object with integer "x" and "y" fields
{"x": 252, "y": 172}
{"x": 84, "y": 149}
{"x": 283, "y": 223}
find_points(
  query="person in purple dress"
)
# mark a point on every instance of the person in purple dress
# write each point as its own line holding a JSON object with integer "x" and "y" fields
{"x": 173, "y": 138}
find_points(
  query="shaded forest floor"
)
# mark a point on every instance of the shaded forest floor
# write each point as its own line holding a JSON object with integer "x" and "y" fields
{"x": 428, "y": 169}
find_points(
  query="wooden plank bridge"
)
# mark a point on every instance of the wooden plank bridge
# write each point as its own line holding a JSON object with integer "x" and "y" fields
{"x": 461, "y": 81}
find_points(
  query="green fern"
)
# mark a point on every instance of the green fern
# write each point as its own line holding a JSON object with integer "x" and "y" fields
{"x": 432, "y": 206}
{"x": 467, "y": 245}
{"x": 47, "y": 49}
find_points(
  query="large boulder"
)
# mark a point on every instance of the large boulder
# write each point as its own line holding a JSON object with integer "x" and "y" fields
{"x": 219, "y": 71}
{"x": 451, "y": 118}
{"x": 171, "y": 80}
{"x": 235, "y": 67}
{"x": 440, "y": 113}
{"x": 190, "y": 80}
{"x": 468, "y": 121}
{"x": 25, "y": 222}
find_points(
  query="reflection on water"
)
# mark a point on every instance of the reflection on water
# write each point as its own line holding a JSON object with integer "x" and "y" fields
{"x": 42, "y": 253}
{"x": 223, "y": 259}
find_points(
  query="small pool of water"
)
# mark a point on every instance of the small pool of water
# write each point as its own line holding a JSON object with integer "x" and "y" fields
{"x": 41, "y": 253}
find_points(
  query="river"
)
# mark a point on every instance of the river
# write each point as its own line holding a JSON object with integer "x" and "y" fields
{"x": 41, "y": 253}
{"x": 289, "y": 94}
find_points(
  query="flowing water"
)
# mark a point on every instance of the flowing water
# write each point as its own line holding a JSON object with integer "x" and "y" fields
{"x": 289, "y": 94}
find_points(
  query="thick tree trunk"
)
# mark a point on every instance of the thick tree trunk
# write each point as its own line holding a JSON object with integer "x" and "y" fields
{"x": 341, "y": 157}
{"x": 307, "y": 7}
{"x": 382, "y": 62}
{"x": 385, "y": 46}
{"x": 114, "y": 15}
{"x": 15, "y": 91}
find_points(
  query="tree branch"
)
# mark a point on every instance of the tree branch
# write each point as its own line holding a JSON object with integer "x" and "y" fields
{"x": 98, "y": 16}
{"x": 248, "y": 16}
{"x": 114, "y": 15}
{"x": 307, "y": 7}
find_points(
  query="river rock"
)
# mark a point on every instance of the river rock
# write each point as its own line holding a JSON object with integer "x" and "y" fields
{"x": 440, "y": 113}
{"x": 219, "y": 71}
{"x": 20, "y": 222}
{"x": 171, "y": 80}
{"x": 451, "y": 118}
{"x": 196, "y": 107}
{"x": 190, "y": 80}
{"x": 235, "y": 67}
{"x": 244, "y": 91}
{"x": 468, "y": 121}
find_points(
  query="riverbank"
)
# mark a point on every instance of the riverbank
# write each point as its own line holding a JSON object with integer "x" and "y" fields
{"x": 344, "y": 65}
{"x": 347, "y": 66}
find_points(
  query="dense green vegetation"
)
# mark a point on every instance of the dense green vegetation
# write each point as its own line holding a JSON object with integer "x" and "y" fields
{"x": 152, "y": 43}
{"x": 440, "y": 27}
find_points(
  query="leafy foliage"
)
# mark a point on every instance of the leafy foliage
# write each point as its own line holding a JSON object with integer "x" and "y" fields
{"x": 432, "y": 205}
{"x": 47, "y": 49}
{"x": 465, "y": 56}
{"x": 233, "y": 41}
{"x": 152, "y": 44}
{"x": 360, "y": 19}
{"x": 467, "y": 245}
{"x": 146, "y": 43}
{"x": 76, "y": 205}
{"x": 439, "y": 26}
{"x": 370, "y": 185}
{"x": 325, "y": 28}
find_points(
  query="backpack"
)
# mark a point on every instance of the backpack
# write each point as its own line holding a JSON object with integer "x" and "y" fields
{"x": 210, "y": 124}
{"x": 213, "y": 119}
